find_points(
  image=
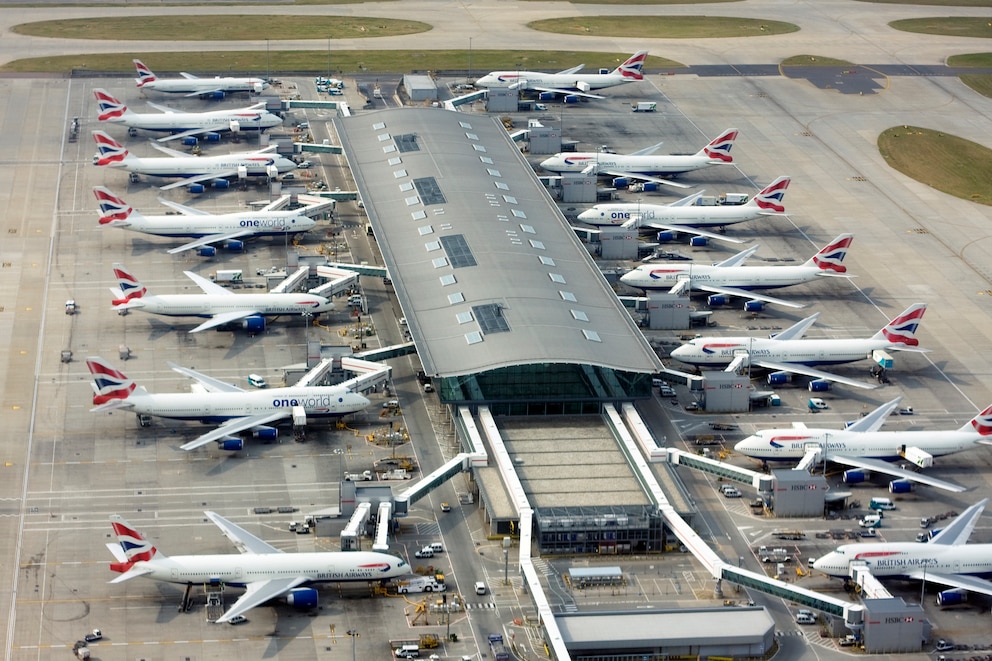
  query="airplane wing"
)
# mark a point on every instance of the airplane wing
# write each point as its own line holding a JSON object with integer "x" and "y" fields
{"x": 886, "y": 468}
{"x": 738, "y": 259}
{"x": 749, "y": 295}
{"x": 241, "y": 538}
{"x": 647, "y": 150}
{"x": 236, "y": 426}
{"x": 188, "y": 76}
{"x": 798, "y": 329}
{"x": 112, "y": 405}
{"x": 186, "y": 134}
{"x": 959, "y": 529}
{"x": 541, "y": 88}
{"x": 972, "y": 583}
{"x": 688, "y": 229}
{"x": 208, "y": 286}
{"x": 222, "y": 319}
{"x": 161, "y": 108}
{"x": 569, "y": 72}
{"x": 182, "y": 208}
{"x": 874, "y": 420}
{"x": 134, "y": 572}
{"x": 688, "y": 200}
{"x": 796, "y": 368}
{"x": 170, "y": 152}
{"x": 644, "y": 177}
{"x": 259, "y": 592}
{"x": 223, "y": 174}
{"x": 204, "y": 92}
{"x": 208, "y": 382}
{"x": 211, "y": 238}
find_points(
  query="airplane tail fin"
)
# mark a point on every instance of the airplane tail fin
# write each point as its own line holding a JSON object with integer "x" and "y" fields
{"x": 718, "y": 150}
{"x": 113, "y": 210}
{"x": 111, "y": 109}
{"x": 980, "y": 424}
{"x": 145, "y": 75}
{"x": 109, "y": 151}
{"x": 769, "y": 199}
{"x": 109, "y": 383}
{"x": 631, "y": 69}
{"x": 130, "y": 289}
{"x": 901, "y": 331}
{"x": 829, "y": 258}
{"x": 134, "y": 546}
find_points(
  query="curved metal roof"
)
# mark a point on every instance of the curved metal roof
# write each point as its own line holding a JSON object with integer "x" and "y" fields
{"x": 486, "y": 268}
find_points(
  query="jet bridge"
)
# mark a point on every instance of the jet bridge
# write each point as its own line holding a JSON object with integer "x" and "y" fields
{"x": 762, "y": 482}
{"x": 352, "y": 531}
{"x": 428, "y": 483}
{"x": 340, "y": 280}
{"x": 381, "y": 542}
{"x": 293, "y": 281}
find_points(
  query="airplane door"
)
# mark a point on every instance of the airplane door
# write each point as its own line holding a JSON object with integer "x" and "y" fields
{"x": 237, "y": 572}
{"x": 174, "y": 573}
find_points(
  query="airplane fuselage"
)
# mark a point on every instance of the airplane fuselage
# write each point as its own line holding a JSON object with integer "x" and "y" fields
{"x": 219, "y": 120}
{"x": 195, "y": 226}
{"x": 207, "y": 305}
{"x": 901, "y": 558}
{"x": 195, "y": 166}
{"x": 655, "y": 276}
{"x": 205, "y": 85}
{"x": 721, "y": 351}
{"x": 791, "y": 444}
{"x": 574, "y": 81}
{"x": 693, "y": 216}
{"x": 216, "y": 407}
{"x": 239, "y": 570}
{"x": 627, "y": 163}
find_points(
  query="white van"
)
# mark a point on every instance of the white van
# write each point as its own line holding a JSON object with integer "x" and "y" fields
{"x": 881, "y": 504}
{"x": 437, "y": 547}
{"x": 408, "y": 652}
{"x": 480, "y": 587}
{"x": 870, "y": 521}
{"x": 257, "y": 381}
{"x": 805, "y": 617}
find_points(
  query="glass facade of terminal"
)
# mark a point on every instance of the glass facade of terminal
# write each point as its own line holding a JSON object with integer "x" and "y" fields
{"x": 545, "y": 389}
{"x": 605, "y": 530}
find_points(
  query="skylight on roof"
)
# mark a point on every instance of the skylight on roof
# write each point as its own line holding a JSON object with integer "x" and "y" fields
{"x": 579, "y": 315}
{"x": 568, "y": 296}
{"x": 539, "y": 245}
{"x": 547, "y": 261}
{"x": 474, "y": 337}
{"x": 425, "y": 230}
{"x": 399, "y": 174}
{"x": 528, "y": 229}
{"x": 557, "y": 277}
{"x": 591, "y": 335}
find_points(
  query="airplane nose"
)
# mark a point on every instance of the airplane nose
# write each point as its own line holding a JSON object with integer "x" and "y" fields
{"x": 680, "y": 352}
{"x": 589, "y": 214}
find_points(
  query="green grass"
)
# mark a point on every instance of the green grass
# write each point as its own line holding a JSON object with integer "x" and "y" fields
{"x": 318, "y": 62}
{"x": 948, "y": 26}
{"x": 945, "y": 162}
{"x": 663, "y": 27}
{"x": 814, "y": 61}
{"x": 222, "y": 28}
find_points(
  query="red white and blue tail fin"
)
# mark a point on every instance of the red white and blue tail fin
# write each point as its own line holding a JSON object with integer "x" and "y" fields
{"x": 901, "y": 331}
{"x": 829, "y": 258}
{"x": 980, "y": 424}
{"x": 129, "y": 289}
{"x": 718, "y": 150}
{"x": 632, "y": 69}
{"x": 111, "y": 109}
{"x": 132, "y": 547}
{"x": 109, "y": 151}
{"x": 113, "y": 210}
{"x": 145, "y": 75}
{"x": 109, "y": 383}
{"x": 770, "y": 199}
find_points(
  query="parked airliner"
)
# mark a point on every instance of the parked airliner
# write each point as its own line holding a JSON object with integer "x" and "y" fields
{"x": 266, "y": 572}
{"x": 861, "y": 445}
{"x": 788, "y": 352}
{"x": 215, "y": 401}
{"x": 220, "y": 305}
{"x": 947, "y": 559}
{"x": 728, "y": 278}
{"x": 190, "y": 85}
{"x": 191, "y": 169}
{"x": 686, "y": 214}
{"x": 569, "y": 82}
{"x": 180, "y": 124}
{"x": 227, "y": 229}
{"x": 644, "y": 164}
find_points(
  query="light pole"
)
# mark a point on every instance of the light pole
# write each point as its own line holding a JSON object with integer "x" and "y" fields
{"x": 469, "y": 59}
{"x": 506, "y": 566}
{"x": 354, "y": 634}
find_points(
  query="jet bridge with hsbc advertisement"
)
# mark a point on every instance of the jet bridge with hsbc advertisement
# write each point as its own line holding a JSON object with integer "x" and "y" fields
{"x": 643, "y": 450}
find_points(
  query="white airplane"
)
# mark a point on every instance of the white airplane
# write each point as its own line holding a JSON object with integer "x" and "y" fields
{"x": 264, "y": 571}
{"x": 788, "y": 352}
{"x": 182, "y": 124}
{"x": 227, "y": 229}
{"x": 220, "y": 305}
{"x": 686, "y": 215}
{"x": 192, "y": 169}
{"x": 190, "y": 85}
{"x": 947, "y": 559}
{"x": 213, "y": 401}
{"x": 643, "y": 164}
{"x": 728, "y": 278}
{"x": 569, "y": 82}
{"x": 862, "y": 446}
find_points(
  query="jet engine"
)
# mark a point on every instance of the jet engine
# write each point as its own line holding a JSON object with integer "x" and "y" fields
{"x": 303, "y": 598}
{"x": 232, "y": 444}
